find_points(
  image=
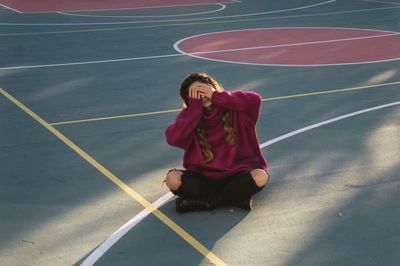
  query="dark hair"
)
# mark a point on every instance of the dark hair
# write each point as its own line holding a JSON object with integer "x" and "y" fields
{"x": 192, "y": 78}
{"x": 226, "y": 117}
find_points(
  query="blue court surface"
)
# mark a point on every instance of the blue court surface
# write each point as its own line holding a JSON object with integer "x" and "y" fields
{"x": 88, "y": 91}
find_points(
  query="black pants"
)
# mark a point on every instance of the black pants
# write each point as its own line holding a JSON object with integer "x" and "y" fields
{"x": 226, "y": 192}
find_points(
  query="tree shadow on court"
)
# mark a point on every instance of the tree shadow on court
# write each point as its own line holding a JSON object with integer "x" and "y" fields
{"x": 151, "y": 242}
{"x": 331, "y": 196}
{"x": 132, "y": 149}
{"x": 365, "y": 231}
{"x": 344, "y": 180}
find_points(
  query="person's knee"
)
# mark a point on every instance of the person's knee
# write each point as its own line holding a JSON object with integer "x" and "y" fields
{"x": 260, "y": 177}
{"x": 173, "y": 180}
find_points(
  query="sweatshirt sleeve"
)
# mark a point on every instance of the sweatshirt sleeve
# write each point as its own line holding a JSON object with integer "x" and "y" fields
{"x": 180, "y": 133}
{"x": 247, "y": 102}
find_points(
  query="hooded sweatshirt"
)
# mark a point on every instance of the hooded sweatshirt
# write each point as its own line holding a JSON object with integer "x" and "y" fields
{"x": 243, "y": 155}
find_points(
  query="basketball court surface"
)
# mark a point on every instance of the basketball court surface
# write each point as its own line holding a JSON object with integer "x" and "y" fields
{"x": 89, "y": 87}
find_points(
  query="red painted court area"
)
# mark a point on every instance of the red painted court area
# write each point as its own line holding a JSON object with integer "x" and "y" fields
{"x": 40, "y": 6}
{"x": 295, "y": 46}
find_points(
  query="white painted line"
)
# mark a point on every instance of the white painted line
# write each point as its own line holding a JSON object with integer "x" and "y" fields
{"x": 199, "y": 23}
{"x": 222, "y": 7}
{"x": 329, "y": 121}
{"x": 284, "y": 45}
{"x": 92, "y": 62}
{"x": 12, "y": 9}
{"x": 107, "y": 244}
{"x": 197, "y": 54}
{"x": 171, "y": 20}
{"x": 131, "y": 8}
{"x": 302, "y": 65}
{"x": 381, "y": 2}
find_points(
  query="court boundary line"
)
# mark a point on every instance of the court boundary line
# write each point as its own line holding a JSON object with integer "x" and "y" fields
{"x": 200, "y": 23}
{"x": 270, "y": 99}
{"x": 92, "y": 62}
{"x": 380, "y": 2}
{"x": 114, "y": 179}
{"x": 11, "y": 9}
{"x": 172, "y": 20}
{"x": 196, "y": 54}
{"x": 179, "y": 15}
{"x": 315, "y": 93}
{"x": 128, "y": 8}
{"x": 116, "y": 236}
{"x": 113, "y": 117}
{"x": 111, "y": 240}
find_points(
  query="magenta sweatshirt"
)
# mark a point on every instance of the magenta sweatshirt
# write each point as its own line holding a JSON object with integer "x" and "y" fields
{"x": 244, "y": 155}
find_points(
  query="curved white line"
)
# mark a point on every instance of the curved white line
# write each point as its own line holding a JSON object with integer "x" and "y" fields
{"x": 127, "y": 8}
{"x": 109, "y": 242}
{"x": 197, "y": 54}
{"x": 180, "y": 15}
{"x": 305, "y": 65}
{"x": 172, "y": 20}
{"x": 285, "y": 45}
{"x": 329, "y": 121}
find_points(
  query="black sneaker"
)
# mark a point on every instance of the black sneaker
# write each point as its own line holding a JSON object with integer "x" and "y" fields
{"x": 246, "y": 204}
{"x": 188, "y": 205}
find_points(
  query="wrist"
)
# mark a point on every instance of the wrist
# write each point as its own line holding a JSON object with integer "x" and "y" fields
{"x": 195, "y": 105}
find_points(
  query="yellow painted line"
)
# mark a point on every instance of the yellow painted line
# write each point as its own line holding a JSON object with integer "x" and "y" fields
{"x": 167, "y": 221}
{"x": 331, "y": 91}
{"x": 114, "y": 117}
{"x": 265, "y": 100}
{"x": 380, "y": 2}
{"x": 198, "y": 23}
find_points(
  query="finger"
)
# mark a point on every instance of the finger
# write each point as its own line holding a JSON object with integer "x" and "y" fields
{"x": 198, "y": 93}
{"x": 206, "y": 92}
{"x": 195, "y": 93}
{"x": 192, "y": 92}
{"x": 206, "y": 86}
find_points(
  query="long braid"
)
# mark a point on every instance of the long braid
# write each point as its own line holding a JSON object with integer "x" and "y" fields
{"x": 228, "y": 129}
{"x": 226, "y": 117}
{"x": 205, "y": 146}
{"x": 229, "y": 136}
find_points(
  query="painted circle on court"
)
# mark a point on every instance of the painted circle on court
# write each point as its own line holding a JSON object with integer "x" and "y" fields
{"x": 297, "y": 46}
